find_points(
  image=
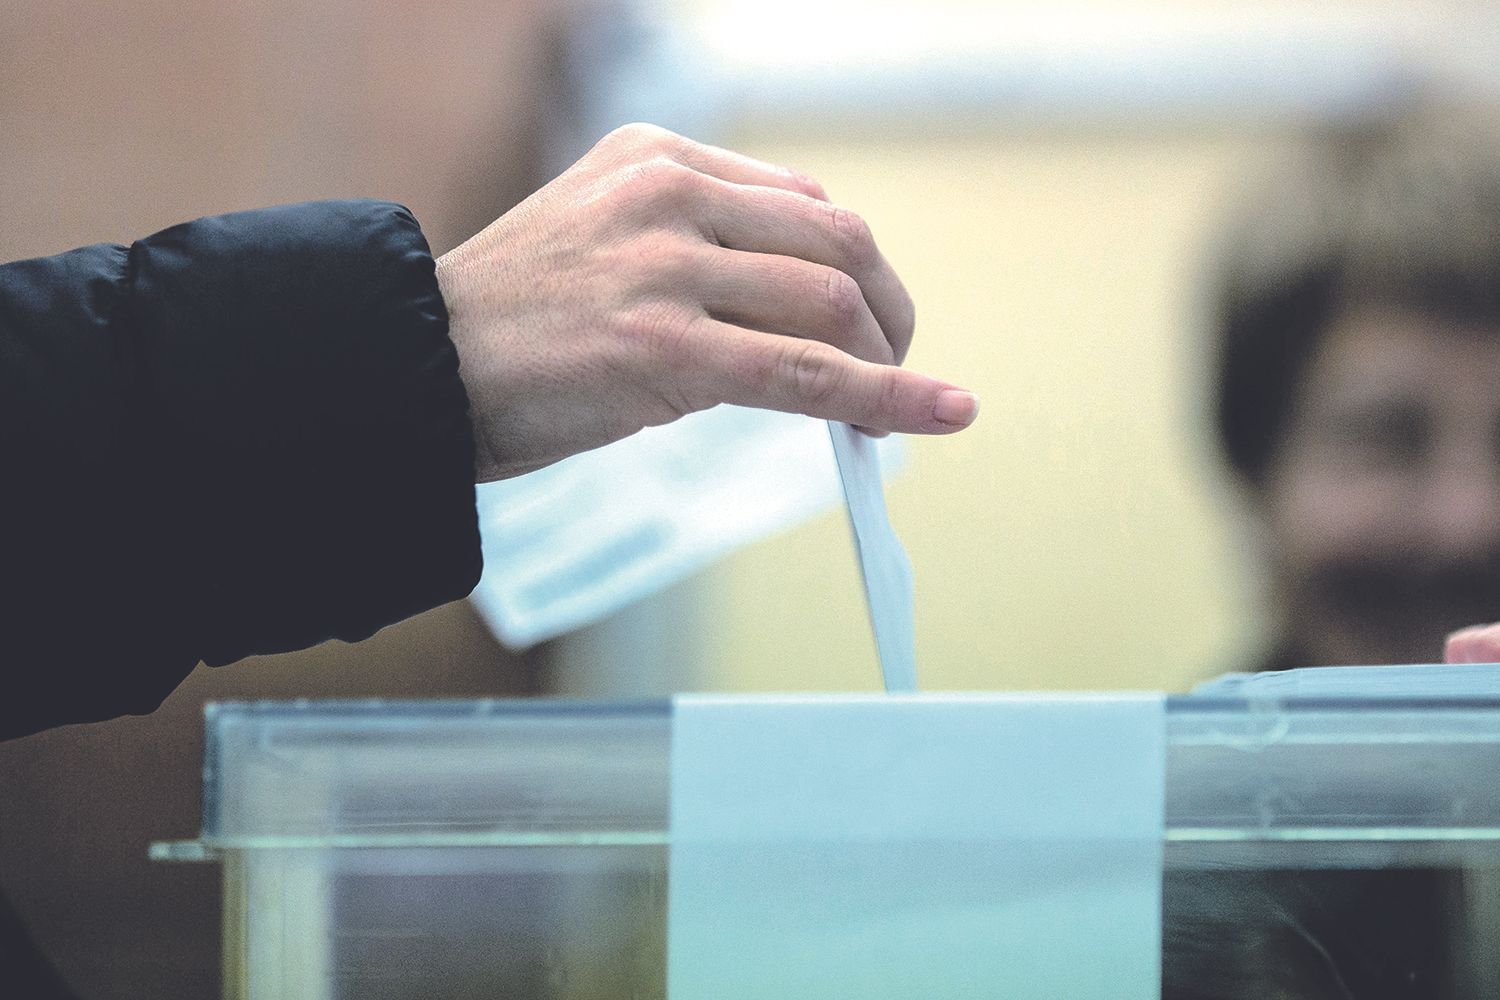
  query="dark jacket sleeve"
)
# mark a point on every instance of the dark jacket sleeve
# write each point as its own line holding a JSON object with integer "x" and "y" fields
{"x": 244, "y": 434}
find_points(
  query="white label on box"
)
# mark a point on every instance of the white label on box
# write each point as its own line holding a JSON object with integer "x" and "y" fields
{"x": 927, "y": 847}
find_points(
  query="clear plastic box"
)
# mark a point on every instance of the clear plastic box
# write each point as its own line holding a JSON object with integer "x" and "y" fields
{"x": 1315, "y": 847}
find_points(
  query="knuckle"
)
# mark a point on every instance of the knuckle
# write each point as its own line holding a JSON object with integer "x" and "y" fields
{"x": 639, "y": 135}
{"x": 674, "y": 258}
{"x": 843, "y": 297}
{"x": 659, "y": 328}
{"x": 812, "y": 371}
{"x": 894, "y": 399}
{"x": 656, "y": 266}
{"x": 658, "y": 180}
{"x": 854, "y": 237}
{"x": 906, "y": 317}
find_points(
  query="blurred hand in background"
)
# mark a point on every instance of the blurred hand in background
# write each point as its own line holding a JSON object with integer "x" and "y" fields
{"x": 1475, "y": 644}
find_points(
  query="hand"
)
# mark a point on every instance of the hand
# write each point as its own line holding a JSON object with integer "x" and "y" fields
{"x": 658, "y": 276}
{"x": 1475, "y": 644}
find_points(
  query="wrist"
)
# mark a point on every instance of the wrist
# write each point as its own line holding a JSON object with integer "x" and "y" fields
{"x": 471, "y": 363}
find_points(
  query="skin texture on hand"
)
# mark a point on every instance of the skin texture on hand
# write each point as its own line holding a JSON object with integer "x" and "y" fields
{"x": 1475, "y": 644}
{"x": 657, "y": 277}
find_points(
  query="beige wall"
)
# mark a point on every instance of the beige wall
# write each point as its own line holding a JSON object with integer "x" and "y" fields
{"x": 119, "y": 119}
{"x": 1073, "y": 538}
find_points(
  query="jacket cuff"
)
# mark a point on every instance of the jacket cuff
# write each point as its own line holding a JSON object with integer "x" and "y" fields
{"x": 310, "y": 420}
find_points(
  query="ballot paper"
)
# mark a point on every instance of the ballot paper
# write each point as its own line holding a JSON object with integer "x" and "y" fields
{"x": 882, "y": 560}
{"x": 891, "y": 847}
{"x": 578, "y": 541}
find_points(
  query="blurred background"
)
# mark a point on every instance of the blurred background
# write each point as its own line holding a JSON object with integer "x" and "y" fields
{"x": 1050, "y": 179}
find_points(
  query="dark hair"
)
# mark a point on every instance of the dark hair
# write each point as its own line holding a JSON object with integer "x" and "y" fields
{"x": 1404, "y": 214}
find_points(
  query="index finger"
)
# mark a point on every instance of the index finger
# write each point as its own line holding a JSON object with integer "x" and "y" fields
{"x": 729, "y": 364}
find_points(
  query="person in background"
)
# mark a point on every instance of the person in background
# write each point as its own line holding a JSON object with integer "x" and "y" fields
{"x": 1357, "y": 317}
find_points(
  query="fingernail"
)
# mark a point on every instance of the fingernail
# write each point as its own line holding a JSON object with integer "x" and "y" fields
{"x": 955, "y": 408}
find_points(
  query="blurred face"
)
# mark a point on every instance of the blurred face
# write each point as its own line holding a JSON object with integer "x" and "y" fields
{"x": 1382, "y": 508}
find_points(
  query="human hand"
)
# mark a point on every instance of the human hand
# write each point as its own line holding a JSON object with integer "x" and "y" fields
{"x": 658, "y": 276}
{"x": 1475, "y": 644}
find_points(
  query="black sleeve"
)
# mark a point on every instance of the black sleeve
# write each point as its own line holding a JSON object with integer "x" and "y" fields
{"x": 244, "y": 434}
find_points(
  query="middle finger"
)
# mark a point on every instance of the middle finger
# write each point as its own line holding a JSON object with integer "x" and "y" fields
{"x": 774, "y": 221}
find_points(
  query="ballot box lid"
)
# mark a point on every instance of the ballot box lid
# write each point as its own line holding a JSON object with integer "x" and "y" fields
{"x": 1318, "y": 777}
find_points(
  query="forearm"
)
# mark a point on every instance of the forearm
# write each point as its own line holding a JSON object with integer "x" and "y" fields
{"x": 245, "y": 434}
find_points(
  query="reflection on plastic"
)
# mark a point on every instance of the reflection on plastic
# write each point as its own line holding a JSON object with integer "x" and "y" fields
{"x": 882, "y": 560}
{"x": 892, "y": 847}
{"x": 573, "y": 543}
{"x": 1436, "y": 680}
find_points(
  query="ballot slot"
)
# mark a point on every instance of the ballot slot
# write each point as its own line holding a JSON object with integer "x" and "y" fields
{"x": 522, "y": 848}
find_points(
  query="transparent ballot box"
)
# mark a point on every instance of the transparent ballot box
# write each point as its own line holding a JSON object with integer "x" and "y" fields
{"x": 1304, "y": 847}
